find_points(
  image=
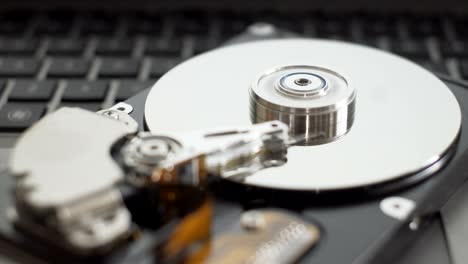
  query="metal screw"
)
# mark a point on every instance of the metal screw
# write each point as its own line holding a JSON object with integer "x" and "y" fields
{"x": 397, "y": 207}
{"x": 112, "y": 114}
{"x": 252, "y": 220}
{"x": 415, "y": 223}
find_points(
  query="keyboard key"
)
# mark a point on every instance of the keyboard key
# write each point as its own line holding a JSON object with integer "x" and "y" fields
{"x": 81, "y": 90}
{"x": 32, "y": 90}
{"x": 202, "y": 45}
{"x": 425, "y": 27}
{"x": 14, "y": 23}
{"x": 114, "y": 47}
{"x": 334, "y": 27}
{"x": 99, "y": 24}
{"x": 11, "y": 46}
{"x": 379, "y": 26}
{"x": 164, "y": 47}
{"x": 460, "y": 27}
{"x": 287, "y": 23}
{"x": 434, "y": 67}
{"x": 143, "y": 24}
{"x": 66, "y": 46}
{"x": 192, "y": 23}
{"x": 94, "y": 107}
{"x": 454, "y": 48}
{"x": 54, "y": 26}
{"x": 119, "y": 67}
{"x": 464, "y": 68}
{"x": 12, "y": 26}
{"x": 18, "y": 67}
{"x": 414, "y": 49}
{"x": 372, "y": 42}
{"x": 160, "y": 65}
{"x": 128, "y": 88}
{"x": 16, "y": 117}
{"x": 2, "y": 86}
{"x": 68, "y": 67}
{"x": 235, "y": 24}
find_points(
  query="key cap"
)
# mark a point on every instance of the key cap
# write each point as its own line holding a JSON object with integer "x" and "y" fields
{"x": 81, "y": 90}
{"x": 425, "y": 27}
{"x": 93, "y": 107}
{"x": 202, "y": 45}
{"x": 378, "y": 26}
{"x": 2, "y": 86}
{"x": 372, "y": 42}
{"x": 160, "y": 65}
{"x": 14, "y": 23}
{"x": 119, "y": 67}
{"x": 454, "y": 48}
{"x": 164, "y": 47}
{"x": 11, "y": 46}
{"x": 16, "y": 117}
{"x": 128, "y": 88}
{"x": 464, "y": 68}
{"x": 286, "y": 23}
{"x": 142, "y": 24}
{"x": 434, "y": 67}
{"x": 107, "y": 46}
{"x": 191, "y": 23}
{"x": 11, "y": 26}
{"x": 68, "y": 67}
{"x": 54, "y": 26}
{"x": 66, "y": 46}
{"x": 18, "y": 67}
{"x": 460, "y": 27}
{"x": 414, "y": 49}
{"x": 334, "y": 27}
{"x": 235, "y": 24}
{"x": 99, "y": 25}
{"x": 32, "y": 90}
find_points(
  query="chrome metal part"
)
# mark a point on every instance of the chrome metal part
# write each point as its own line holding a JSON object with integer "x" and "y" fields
{"x": 252, "y": 220}
{"x": 123, "y": 107}
{"x": 230, "y": 153}
{"x": 66, "y": 184}
{"x": 120, "y": 112}
{"x": 261, "y": 29}
{"x": 317, "y": 103}
{"x": 397, "y": 207}
{"x": 146, "y": 151}
{"x": 415, "y": 224}
{"x": 65, "y": 181}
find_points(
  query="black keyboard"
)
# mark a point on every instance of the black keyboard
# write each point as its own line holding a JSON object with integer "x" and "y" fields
{"x": 49, "y": 60}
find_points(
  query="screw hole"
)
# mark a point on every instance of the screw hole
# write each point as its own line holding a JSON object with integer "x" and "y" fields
{"x": 302, "y": 81}
{"x": 88, "y": 231}
{"x": 109, "y": 218}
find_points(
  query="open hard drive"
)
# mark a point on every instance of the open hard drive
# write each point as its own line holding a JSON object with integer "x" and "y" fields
{"x": 275, "y": 151}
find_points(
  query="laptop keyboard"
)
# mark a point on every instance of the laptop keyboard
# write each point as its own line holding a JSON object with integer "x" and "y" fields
{"x": 92, "y": 61}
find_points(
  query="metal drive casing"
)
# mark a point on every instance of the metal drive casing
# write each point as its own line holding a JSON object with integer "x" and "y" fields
{"x": 316, "y": 103}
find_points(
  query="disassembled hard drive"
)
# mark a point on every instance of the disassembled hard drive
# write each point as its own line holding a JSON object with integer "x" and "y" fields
{"x": 275, "y": 151}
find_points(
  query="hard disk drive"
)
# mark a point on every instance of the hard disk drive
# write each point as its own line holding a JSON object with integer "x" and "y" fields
{"x": 273, "y": 151}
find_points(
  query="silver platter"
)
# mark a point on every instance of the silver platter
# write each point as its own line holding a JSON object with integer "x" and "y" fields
{"x": 405, "y": 118}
